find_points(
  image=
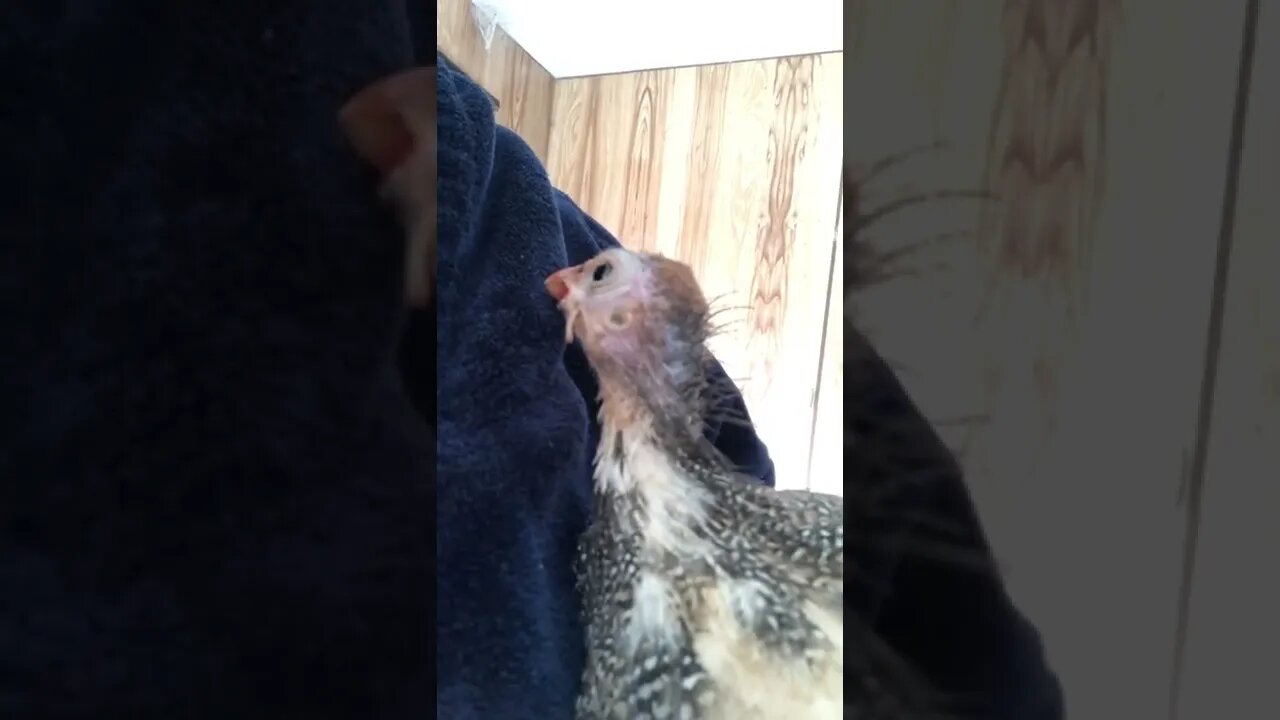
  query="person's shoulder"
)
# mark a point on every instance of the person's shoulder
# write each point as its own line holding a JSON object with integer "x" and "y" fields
{"x": 584, "y": 236}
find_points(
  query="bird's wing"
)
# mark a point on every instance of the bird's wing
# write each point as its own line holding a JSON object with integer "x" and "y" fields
{"x": 804, "y": 532}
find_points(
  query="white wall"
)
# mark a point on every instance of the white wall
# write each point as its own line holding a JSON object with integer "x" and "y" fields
{"x": 571, "y": 38}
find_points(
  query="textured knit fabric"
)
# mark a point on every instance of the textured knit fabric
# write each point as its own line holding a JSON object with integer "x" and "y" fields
{"x": 215, "y": 495}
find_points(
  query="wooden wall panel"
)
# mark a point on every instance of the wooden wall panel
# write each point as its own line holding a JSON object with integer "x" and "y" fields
{"x": 1067, "y": 316}
{"x": 736, "y": 170}
{"x": 523, "y": 88}
{"x": 826, "y": 455}
{"x": 1230, "y": 658}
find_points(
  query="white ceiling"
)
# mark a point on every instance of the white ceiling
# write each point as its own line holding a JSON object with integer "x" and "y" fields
{"x": 592, "y": 37}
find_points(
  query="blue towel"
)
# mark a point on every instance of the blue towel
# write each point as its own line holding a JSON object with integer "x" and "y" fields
{"x": 215, "y": 495}
{"x": 517, "y": 425}
{"x": 925, "y": 581}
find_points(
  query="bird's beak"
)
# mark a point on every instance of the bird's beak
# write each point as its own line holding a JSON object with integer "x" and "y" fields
{"x": 558, "y": 283}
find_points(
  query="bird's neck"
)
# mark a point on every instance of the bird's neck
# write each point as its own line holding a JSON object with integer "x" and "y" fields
{"x": 643, "y": 485}
{"x": 645, "y": 407}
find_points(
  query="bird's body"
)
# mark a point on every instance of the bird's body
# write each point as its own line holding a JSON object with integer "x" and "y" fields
{"x": 706, "y": 596}
{"x": 728, "y": 606}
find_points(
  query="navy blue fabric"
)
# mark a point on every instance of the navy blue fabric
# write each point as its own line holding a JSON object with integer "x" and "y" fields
{"x": 926, "y": 580}
{"x": 215, "y": 495}
{"x": 516, "y": 423}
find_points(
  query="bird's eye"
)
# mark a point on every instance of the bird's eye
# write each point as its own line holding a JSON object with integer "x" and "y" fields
{"x": 601, "y": 272}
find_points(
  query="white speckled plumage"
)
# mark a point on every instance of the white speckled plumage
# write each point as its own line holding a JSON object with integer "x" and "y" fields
{"x": 705, "y": 595}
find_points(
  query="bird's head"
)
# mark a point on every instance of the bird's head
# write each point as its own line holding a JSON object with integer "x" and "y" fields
{"x": 392, "y": 125}
{"x": 643, "y": 323}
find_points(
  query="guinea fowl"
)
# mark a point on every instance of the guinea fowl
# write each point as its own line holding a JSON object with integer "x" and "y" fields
{"x": 705, "y": 595}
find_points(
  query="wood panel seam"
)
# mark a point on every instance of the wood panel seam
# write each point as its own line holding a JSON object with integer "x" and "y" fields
{"x": 1213, "y": 346}
{"x": 822, "y": 337}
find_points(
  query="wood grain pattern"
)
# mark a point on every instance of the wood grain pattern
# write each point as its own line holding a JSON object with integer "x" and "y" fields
{"x": 1046, "y": 159}
{"x": 734, "y": 169}
{"x": 1066, "y": 318}
{"x": 523, "y": 88}
{"x": 1231, "y": 659}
